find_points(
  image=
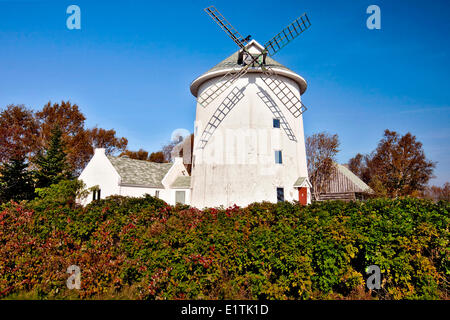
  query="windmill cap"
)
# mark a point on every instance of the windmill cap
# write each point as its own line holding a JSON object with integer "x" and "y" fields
{"x": 230, "y": 63}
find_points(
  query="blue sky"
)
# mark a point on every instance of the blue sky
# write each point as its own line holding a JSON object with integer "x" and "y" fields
{"x": 131, "y": 64}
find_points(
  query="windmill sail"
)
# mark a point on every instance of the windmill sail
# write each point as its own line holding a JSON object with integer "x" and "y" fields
{"x": 223, "y": 84}
{"x": 226, "y": 81}
{"x": 226, "y": 26}
{"x": 283, "y": 93}
{"x": 288, "y": 34}
{"x": 268, "y": 101}
{"x": 221, "y": 112}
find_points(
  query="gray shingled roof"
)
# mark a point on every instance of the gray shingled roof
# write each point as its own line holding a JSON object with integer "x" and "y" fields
{"x": 231, "y": 62}
{"x": 140, "y": 172}
{"x": 299, "y": 181}
{"x": 354, "y": 178}
{"x": 182, "y": 182}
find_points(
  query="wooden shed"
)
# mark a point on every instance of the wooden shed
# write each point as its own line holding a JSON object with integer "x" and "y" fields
{"x": 345, "y": 185}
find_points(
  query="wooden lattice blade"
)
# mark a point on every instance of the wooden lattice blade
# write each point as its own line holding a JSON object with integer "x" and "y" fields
{"x": 210, "y": 94}
{"x": 221, "y": 112}
{"x": 268, "y": 101}
{"x": 288, "y": 34}
{"x": 283, "y": 93}
{"x": 226, "y": 26}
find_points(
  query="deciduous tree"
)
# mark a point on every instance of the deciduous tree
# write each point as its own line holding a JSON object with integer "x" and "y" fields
{"x": 138, "y": 155}
{"x": 359, "y": 166}
{"x": 141, "y": 154}
{"x": 398, "y": 167}
{"x": 157, "y": 157}
{"x": 70, "y": 121}
{"x": 167, "y": 149}
{"x": 321, "y": 150}
{"x": 19, "y": 130}
{"x": 102, "y": 138}
{"x": 436, "y": 193}
{"x": 79, "y": 143}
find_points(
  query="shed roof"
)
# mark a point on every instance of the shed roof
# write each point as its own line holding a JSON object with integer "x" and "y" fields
{"x": 301, "y": 182}
{"x": 182, "y": 182}
{"x": 361, "y": 185}
{"x": 140, "y": 172}
{"x": 343, "y": 180}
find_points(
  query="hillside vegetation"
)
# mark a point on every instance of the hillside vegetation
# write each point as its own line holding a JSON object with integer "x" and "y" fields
{"x": 130, "y": 248}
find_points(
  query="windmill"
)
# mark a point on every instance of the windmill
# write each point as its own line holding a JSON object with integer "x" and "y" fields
{"x": 249, "y": 61}
{"x": 249, "y": 142}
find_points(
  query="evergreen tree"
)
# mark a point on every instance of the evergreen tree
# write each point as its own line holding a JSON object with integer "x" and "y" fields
{"x": 16, "y": 182}
{"x": 52, "y": 164}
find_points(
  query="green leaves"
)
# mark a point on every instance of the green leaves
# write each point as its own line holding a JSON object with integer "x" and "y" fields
{"x": 141, "y": 248}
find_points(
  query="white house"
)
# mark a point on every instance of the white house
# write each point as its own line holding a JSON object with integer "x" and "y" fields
{"x": 129, "y": 177}
{"x": 248, "y": 146}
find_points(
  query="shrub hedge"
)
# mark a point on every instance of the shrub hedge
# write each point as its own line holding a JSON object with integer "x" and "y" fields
{"x": 142, "y": 248}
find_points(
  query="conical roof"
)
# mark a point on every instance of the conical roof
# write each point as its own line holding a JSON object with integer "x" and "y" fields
{"x": 231, "y": 63}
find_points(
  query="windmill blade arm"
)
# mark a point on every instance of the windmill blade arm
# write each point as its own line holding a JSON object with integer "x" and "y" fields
{"x": 226, "y": 81}
{"x": 221, "y": 112}
{"x": 283, "y": 93}
{"x": 210, "y": 94}
{"x": 288, "y": 34}
{"x": 227, "y": 27}
{"x": 268, "y": 101}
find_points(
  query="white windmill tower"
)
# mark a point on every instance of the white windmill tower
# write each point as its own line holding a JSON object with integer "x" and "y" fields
{"x": 249, "y": 142}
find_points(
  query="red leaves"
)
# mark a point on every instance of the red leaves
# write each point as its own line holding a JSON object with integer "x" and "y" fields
{"x": 192, "y": 217}
{"x": 3, "y": 217}
{"x": 128, "y": 227}
{"x": 213, "y": 212}
{"x": 199, "y": 259}
{"x": 157, "y": 278}
{"x": 18, "y": 131}
{"x": 231, "y": 211}
{"x": 131, "y": 252}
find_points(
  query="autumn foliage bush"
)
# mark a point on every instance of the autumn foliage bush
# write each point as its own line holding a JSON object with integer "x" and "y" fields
{"x": 130, "y": 248}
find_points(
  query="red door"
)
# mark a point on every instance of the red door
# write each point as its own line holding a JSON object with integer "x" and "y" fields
{"x": 303, "y": 196}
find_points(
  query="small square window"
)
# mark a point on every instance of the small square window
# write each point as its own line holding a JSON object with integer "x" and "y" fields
{"x": 278, "y": 156}
{"x": 276, "y": 123}
{"x": 280, "y": 194}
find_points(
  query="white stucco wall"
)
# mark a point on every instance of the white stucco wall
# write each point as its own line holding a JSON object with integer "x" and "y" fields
{"x": 237, "y": 165}
{"x": 99, "y": 171}
{"x": 140, "y": 191}
{"x": 178, "y": 169}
